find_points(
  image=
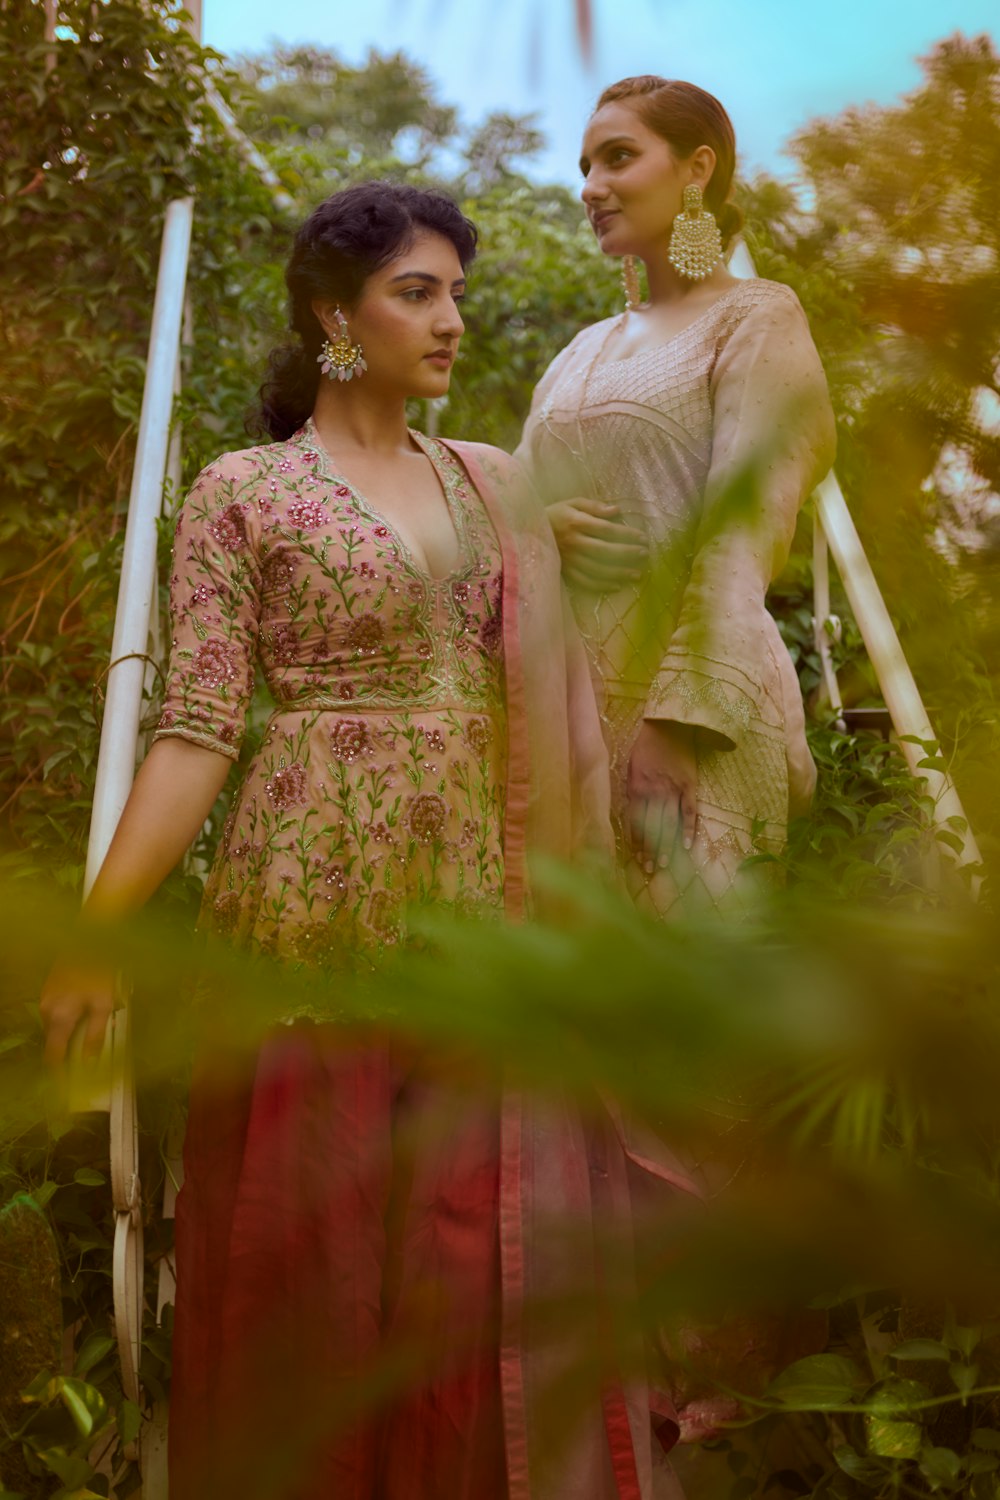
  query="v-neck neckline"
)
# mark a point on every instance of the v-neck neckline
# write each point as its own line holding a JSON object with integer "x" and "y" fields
{"x": 309, "y": 436}
{"x": 665, "y": 344}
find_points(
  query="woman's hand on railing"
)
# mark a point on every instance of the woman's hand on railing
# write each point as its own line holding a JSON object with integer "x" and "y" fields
{"x": 662, "y": 791}
{"x": 599, "y": 551}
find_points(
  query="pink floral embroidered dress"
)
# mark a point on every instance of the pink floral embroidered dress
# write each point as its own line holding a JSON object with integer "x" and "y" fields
{"x": 429, "y": 735}
{"x": 709, "y": 443}
{"x": 380, "y": 777}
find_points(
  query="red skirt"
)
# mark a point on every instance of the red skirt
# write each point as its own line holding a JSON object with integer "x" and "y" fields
{"x": 338, "y": 1300}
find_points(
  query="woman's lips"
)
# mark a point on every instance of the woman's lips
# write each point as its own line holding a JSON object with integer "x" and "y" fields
{"x": 601, "y": 219}
{"x": 442, "y": 357}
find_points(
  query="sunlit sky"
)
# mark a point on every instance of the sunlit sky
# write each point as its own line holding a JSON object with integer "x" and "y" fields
{"x": 774, "y": 63}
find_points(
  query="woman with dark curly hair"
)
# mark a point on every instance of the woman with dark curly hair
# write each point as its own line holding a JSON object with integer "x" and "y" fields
{"x": 348, "y": 1197}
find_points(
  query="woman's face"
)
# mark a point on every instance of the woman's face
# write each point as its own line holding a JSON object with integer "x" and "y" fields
{"x": 633, "y": 182}
{"x": 407, "y": 319}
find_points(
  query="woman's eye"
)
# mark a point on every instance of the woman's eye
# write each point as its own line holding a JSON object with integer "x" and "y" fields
{"x": 619, "y": 155}
{"x": 415, "y": 293}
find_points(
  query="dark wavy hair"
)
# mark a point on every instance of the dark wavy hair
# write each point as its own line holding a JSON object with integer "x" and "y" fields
{"x": 687, "y": 117}
{"x": 342, "y": 242}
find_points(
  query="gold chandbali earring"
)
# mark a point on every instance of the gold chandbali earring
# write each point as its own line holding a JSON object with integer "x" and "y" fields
{"x": 341, "y": 360}
{"x": 630, "y": 282}
{"x": 695, "y": 243}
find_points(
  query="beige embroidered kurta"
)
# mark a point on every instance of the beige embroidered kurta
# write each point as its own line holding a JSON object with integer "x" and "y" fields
{"x": 709, "y": 443}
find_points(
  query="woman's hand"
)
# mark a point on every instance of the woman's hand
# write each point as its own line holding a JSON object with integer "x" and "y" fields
{"x": 76, "y": 994}
{"x": 170, "y": 799}
{"x": 662, "y": 791}
{"x": 598, "y": 550}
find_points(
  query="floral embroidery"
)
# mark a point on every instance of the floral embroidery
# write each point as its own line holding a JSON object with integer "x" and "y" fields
{"x": 365, "y": 635}
{"x": 230, "y": 529}
{"x": 215, "y": 663}
{"x": 307, "y": 514}
{"x": 226, "y": 912}
{"x": 491, "y": 633}
{"x": 379, "y": 781}
{"x": 287, "y": 787}
{"x": 427, "y": 817}
{"x": 284, "y": 645}
{"x": 384, "y": 915}
{"x": 349, "y": 738}
{"x": 477, "y": 735}
{"x": 278, "y": 571}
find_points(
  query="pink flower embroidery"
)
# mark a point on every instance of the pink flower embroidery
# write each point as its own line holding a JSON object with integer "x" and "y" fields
{"x": 365, "y": 635}
{"x": 427, "y": 817}
{"x": 460, "y": 593}
{"x": 278, "y": 572}
{"x": 226, "y": 912}
{"x": 350, "y": 738}
{"x": 435, "y": 740}
{"x": 215, "y": 663}
{"x": 229, "y": 528}
{"x": 491, "y": 633}
{"x": 287, "y": 786}
{"x": 307, "y": 515}
{"x": 478, "y": 734}
{"x": 384, "y": 916}
{"x": 284, "y": 645}
{"x": 320, "y": 943}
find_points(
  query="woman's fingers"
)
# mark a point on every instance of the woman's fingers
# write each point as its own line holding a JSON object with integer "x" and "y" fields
{"x": 603, "y": 564}
{"x": 66, "y": 1006}
{"x": 654, "y": 823}
{"x": 615, "y": 532}
{"x": 688, "y": 815}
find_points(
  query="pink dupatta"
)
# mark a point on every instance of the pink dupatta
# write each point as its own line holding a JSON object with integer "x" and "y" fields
{"x": 559, "y": 1168}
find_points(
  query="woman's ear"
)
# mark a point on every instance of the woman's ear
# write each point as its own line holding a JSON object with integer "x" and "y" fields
{"x": 326, "y": 315}
{"x": 701, "y": 165}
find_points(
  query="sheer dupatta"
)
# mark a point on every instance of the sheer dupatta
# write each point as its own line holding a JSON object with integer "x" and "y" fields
{"x": 579, "y": 1417}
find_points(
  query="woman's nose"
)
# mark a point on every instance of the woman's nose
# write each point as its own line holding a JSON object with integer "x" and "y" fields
{"x": 593, "y": 189}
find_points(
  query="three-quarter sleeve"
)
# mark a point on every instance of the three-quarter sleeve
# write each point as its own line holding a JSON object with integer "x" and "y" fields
{"x": 214, "y": 611}
{"x": 772, "y": 441}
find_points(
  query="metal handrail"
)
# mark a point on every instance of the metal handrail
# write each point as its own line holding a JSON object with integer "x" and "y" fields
{"x": 117, "y": 757}
{"x": 836, "y": 531}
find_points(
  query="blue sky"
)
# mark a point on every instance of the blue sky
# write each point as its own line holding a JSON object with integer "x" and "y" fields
{"x": 774, "y": 63}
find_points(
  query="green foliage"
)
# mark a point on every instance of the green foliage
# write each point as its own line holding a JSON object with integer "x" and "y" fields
{"x": 873, "y": 1110}
{"x": 93, "y": 150}
{"x": 897, "y": 264}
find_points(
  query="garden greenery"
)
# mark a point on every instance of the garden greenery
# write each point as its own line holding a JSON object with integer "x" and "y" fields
{"x": 853, "y": 1016}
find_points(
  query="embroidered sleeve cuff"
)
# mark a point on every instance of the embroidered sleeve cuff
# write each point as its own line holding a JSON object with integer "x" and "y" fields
{"x": 713, "y": 696}
{"x": 198, "y": 737}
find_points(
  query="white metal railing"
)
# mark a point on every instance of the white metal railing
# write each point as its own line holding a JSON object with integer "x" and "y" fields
{"x": 836, "y": 532}
{"x": 117, "y": 758}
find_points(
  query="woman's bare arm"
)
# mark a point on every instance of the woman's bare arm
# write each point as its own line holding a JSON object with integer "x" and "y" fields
{"x": 172, "y": 796}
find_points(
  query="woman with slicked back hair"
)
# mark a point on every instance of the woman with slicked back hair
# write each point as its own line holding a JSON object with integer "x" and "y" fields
{"x": 674, "y": 445}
